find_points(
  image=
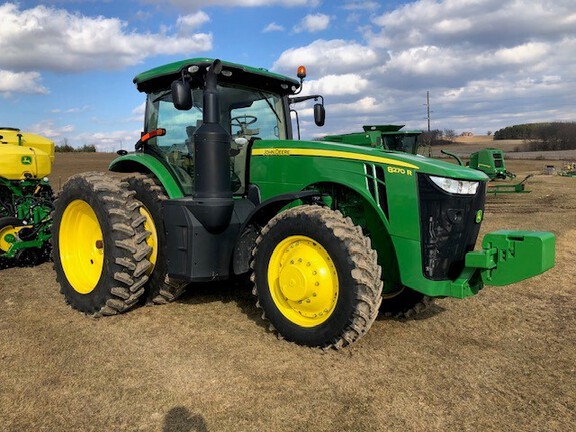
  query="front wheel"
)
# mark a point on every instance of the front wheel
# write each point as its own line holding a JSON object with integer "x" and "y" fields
{"x": 316, "y": 277}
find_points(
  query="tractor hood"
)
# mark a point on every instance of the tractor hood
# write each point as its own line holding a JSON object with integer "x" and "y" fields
{"x": 417, "y": 163}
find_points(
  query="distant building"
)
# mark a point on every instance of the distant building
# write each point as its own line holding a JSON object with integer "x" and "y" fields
{"x": 467, "y": 134}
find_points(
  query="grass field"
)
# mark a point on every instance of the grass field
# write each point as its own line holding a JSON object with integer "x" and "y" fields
{"x": 502, "y": 360}
{"x": 463, "y": 146}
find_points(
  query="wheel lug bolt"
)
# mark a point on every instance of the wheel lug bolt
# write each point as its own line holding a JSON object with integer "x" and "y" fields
{"x": 314, "y": 294}
{"x": 308, "y": 300}
{"x": 317, "y": 283}
{"x": 299, "y": 259}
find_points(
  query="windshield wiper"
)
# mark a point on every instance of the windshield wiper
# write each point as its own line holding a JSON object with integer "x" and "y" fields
{"x": 270, "y": 105}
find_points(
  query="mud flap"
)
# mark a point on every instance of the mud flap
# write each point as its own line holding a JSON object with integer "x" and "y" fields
{"x": 511, "y": 256}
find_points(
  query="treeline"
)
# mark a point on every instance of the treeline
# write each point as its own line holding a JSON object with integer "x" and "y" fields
{"x": 437, "y": 137}
{"x": 67, "y": 148}
{"x": 541, "y": 136}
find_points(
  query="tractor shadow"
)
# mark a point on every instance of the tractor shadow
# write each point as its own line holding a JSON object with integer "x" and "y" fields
{"x": 434, "y": 310}
{"x": 26, "y": 260}
{"x": 237, "y": 291}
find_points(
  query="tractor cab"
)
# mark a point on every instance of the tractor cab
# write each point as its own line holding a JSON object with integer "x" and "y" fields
{"x": 247, "y": 103}
{"x": 245, "y": 113}
{"x": 387, "y": 137}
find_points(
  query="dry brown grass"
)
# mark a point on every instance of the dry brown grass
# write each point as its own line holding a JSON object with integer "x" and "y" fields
{"x": 503, "y": 360}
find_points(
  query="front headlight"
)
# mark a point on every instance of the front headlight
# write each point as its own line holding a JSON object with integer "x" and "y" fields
{"x": 459, "y": 187}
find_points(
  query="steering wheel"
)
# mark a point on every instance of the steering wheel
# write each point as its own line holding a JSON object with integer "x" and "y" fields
{"x": 248, "y": 120}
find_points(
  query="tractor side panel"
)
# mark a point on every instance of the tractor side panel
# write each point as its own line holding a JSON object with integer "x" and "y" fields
{"x": 383, "y": 200}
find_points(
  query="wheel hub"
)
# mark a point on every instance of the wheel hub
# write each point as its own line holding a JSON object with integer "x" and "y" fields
{"x": 304, "y": 281}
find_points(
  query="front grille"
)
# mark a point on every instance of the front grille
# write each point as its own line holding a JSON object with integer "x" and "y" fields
{"x": 448, "y": 228}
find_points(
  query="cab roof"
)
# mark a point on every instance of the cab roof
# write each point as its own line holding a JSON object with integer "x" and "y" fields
{"x": 162, "y": 77}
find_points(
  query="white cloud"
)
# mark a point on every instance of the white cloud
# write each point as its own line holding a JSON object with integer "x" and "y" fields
{"x": 20, "y": 82}
{"x": 487, "y": 23}
{"x": 109, "y": 141}
{"x": 526, "y": 53}
{"x": 361, "y": 5}
{"x": 45, "y": 38}
{"x": 140, "y": 109}
{"x": 335, "y": 85}
{"x": 313, "y": 23}
{"x": 50, "y": 130}
{"x": 197, "y": 4}
{"x": 188, "y": 23}
{"x": 323, "y": 57}
{"x": 273, "y": 27}
{"x": 71, "y": 110}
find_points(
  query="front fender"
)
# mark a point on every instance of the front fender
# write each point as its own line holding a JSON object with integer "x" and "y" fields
{"x": 141, "y": 162}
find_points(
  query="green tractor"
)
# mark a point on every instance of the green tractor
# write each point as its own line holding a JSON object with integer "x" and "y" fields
{"x": 26, "y": 198}
{"x": 331, "y": 234}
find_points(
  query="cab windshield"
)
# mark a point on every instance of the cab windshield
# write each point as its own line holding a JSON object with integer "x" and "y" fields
{"x": 246, "y": 113}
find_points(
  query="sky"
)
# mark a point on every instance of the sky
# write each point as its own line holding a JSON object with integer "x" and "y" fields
{"x": 66, "y": 66}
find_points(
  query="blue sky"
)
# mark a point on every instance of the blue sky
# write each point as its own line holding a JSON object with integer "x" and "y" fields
{"x": 66, "y": 66}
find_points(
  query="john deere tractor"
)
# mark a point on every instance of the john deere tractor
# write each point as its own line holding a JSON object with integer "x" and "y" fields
{"x": 25, "y": 197}
{"x": 331, "y": 233}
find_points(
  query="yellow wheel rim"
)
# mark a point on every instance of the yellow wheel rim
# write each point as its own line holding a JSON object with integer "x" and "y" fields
{"x": 152, "y": 240}
{"x": 303, "y": 281}
{"x": 81, "y": 246}
{"x": 4, "y": 232}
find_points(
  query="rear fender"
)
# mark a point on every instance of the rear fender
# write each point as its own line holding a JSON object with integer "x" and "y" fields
{"x": 141, "y": 162}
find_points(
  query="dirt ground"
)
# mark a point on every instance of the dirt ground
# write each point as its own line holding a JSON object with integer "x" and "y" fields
{"x": 502, "y": 360}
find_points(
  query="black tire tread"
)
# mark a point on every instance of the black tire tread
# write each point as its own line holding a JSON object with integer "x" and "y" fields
{"x": 160, "y": 289}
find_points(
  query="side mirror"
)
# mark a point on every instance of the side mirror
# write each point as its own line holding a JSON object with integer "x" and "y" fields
{"x": 319, "y": 114}
{"x": 182, "y": 95}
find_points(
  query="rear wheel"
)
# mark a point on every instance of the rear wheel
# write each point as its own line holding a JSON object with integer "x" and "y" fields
{"x": 99, "y": 245}
{"x": 405, "y": 303}
{"x": 149, "y": 191}
{"x": 316, "y": 277}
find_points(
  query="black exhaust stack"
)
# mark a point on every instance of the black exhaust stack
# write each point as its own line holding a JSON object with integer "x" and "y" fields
{"x": 213, "y": 203}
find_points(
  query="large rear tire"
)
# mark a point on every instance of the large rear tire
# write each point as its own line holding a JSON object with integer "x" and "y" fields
{"x": 316, "y": 277}
{"x": 149, "y": 191}
{"x": 99, "y": 245}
